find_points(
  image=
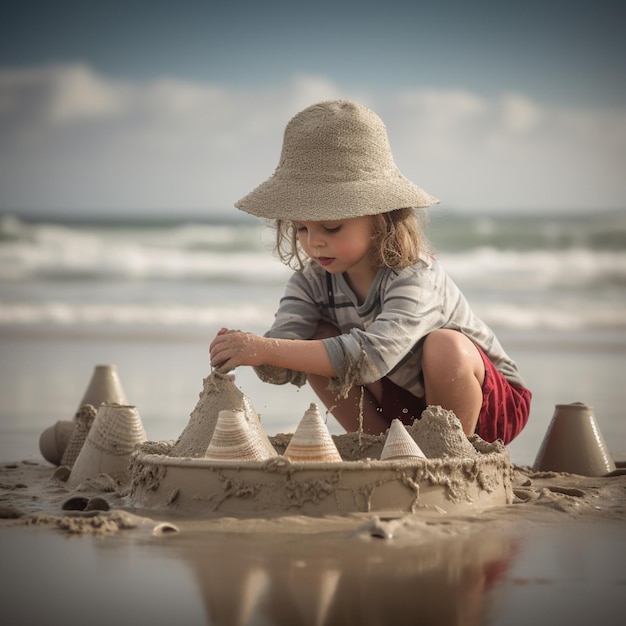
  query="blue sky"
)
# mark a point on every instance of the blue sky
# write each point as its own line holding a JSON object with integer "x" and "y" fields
{"x": 151, "y": 107}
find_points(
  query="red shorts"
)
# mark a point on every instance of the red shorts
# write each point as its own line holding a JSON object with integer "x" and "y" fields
{"x": 503, "y": 414}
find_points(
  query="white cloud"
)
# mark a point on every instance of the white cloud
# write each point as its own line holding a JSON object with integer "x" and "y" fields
{"x": 74, "y": 140}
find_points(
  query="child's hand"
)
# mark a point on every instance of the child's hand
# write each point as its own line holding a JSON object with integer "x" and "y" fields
{"x": 232, "y": 348}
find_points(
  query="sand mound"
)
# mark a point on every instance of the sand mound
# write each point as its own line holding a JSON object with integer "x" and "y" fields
{"x": 219, "y": 393}
{"x": 440, "y": 435}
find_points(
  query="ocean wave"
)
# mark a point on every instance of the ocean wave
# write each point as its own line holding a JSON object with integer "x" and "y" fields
{"x": 81, "y": 315}
{"x": 55, "y": 252}
{"x": 558, "y": 315}
{"x": 537, "y": 270}
{"x": 241, "y": 252}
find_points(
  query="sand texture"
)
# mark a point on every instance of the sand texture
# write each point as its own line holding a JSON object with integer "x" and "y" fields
{"x": 219, "y": 393}
{"x": 36, "y": 494}
{"x": 294, "y": 542}
{"x": 310, "y": 472}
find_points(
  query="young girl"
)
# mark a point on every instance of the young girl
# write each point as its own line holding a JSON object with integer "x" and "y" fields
{"x": 368, "y": 318}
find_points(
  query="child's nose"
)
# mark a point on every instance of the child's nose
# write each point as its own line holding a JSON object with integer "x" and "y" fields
{"x": 316, "y": 239}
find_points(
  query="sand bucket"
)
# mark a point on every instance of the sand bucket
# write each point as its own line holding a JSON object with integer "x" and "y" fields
{"x": 573, "y": 443}
{"x": 53, "y": 441}
{"x": 104, "y": 386}
{"x": 115, "y": 432}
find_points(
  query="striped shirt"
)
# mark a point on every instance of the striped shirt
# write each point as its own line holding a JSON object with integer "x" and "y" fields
{"x": 384, "y": 335}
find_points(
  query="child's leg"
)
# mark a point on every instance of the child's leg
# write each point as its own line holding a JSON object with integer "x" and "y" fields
{"x": 347, "y": 411}
{"x": 453, "y": 375}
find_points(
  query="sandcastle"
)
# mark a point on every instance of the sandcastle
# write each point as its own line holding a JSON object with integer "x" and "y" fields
{"x": 223, "y": 463}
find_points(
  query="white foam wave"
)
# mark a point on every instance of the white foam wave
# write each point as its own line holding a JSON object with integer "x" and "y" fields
{"x": 536, "y": 270}
{"x": 63, "y": 314}
{"x": 82, "y": 254}
{"x": 242, "y": 251}
{"x": 257, "y": 316}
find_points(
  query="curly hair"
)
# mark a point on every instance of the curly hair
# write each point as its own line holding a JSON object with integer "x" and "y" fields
{"x": 398, "y": 237}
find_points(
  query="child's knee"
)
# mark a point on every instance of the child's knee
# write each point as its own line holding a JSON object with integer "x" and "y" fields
{"x": 444, "y": 345}
{"x": 451, "y": 350}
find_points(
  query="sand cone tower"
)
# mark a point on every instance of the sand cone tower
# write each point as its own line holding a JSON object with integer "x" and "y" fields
{"x": 82, "y": 425}
{"x": 219, "y": 393}
{"x": 312, "y": 441}
{"x": 399, "y": 444}
{"x": 105, "y": 386}
{"x": 115, "y": 432}
{"x": 573, "y": 443}
{"x": 234, "y": 440}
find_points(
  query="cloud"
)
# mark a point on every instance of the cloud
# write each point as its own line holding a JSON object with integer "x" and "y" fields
{"x": 72, "y": 140}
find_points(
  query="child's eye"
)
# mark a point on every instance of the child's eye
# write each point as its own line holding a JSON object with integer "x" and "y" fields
{"x": 333, "y": 229}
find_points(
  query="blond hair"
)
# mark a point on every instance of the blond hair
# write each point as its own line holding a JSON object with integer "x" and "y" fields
{"x": 398, "y": 237}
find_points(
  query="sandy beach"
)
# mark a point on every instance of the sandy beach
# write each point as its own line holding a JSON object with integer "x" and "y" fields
{"x": 133, "y": 137}
{"x": 555, "y": 555}
{"x": 552, "y": 554}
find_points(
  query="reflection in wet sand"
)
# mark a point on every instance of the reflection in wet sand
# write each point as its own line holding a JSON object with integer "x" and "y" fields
{"x": 326, "y": 578}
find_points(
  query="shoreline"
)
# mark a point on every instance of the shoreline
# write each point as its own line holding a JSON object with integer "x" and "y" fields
{"x": 544, "y": 340}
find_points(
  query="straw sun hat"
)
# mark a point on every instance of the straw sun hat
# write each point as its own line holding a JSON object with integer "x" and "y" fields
{"x": 336, "y": 163}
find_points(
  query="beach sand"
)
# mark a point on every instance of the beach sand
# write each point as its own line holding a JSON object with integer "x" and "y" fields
{"x": 555, "y": 555}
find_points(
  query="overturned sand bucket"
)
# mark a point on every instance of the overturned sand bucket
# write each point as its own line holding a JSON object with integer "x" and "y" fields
{"x": 311, "y": 440}
{"x": 53, "y": 441}
{"x": 115, "y": 432}
{"x": 399, "y": 444}
{"x": 573, "y": 443}
{"x": 105, "y": 386}
{"x": 234, "y": 440}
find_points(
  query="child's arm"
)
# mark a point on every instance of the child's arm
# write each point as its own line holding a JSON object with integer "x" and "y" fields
{"x": 232, "y": 348}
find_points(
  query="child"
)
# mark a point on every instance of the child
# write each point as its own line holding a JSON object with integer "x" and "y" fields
{"x": 368, "y": 318}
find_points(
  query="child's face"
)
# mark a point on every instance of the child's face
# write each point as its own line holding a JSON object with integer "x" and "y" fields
{"x": 338, "y": 246}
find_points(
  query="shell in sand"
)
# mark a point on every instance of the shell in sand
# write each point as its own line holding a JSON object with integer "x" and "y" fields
{"x": 82, "y": 425}
{"x": 311, "y": 441}
{"x": 234, "y": 440}
{"x": 115, "y": 432}
{"x": 399, "y": 444}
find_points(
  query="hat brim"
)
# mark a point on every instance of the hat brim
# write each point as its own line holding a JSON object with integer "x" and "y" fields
{"x": 307, "y": 201}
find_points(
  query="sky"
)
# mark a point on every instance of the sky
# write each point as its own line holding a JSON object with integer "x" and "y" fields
{"x": 149, "y": 108}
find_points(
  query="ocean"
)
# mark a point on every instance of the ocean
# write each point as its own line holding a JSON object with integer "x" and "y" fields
{"x": 149, "y": 296}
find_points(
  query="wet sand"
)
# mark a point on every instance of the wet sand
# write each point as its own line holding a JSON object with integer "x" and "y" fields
{"x": 555, "y": 555}
{"x": 508, "y": 564}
